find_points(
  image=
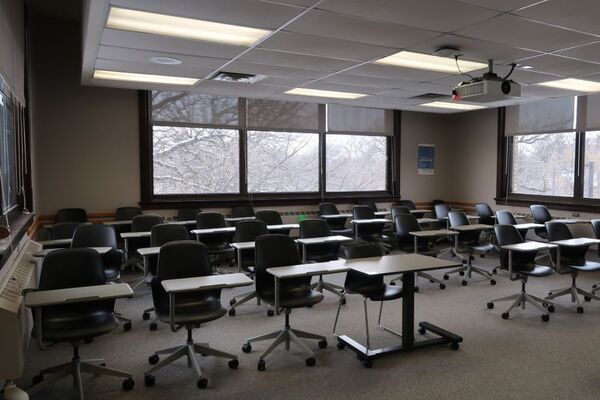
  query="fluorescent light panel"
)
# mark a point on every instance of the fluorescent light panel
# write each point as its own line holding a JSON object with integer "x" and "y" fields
{"x": 132, "y": 77}
{"x": 325, "y": 93}
{"x": 427, "y": 62}
{"x": 578, "y": 85}
{"x": 452, "y": 106}
{"x": 188, "y": 28}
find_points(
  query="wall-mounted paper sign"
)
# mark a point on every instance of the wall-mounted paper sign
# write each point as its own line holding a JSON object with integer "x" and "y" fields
{"x": 426, "y": 159}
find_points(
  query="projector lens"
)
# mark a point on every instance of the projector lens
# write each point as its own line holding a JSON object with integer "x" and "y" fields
{"x": 505, "y": 87}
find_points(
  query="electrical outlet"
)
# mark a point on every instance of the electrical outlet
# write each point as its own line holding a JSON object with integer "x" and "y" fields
{"x": 576, "y": 214}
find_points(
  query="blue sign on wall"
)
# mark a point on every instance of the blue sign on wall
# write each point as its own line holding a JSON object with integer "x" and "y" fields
{"x": 426, "y": 159}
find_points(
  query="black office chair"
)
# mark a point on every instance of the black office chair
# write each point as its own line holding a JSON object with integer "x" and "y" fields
{"x": 272, "y": 217}
{"x": 160, "y": 235}
{"x": 371, "y": 232}
{"x": 187, "y": 214}
{"x": 247, "y": 231}
{"x": 64, "y": 230}
{"x": 485, "y": 214}
{"x": 140, "y": 223}
{"x": 217, "y": 243}
{"x": 404, "y": 224}
{"x": 97, "y": 235}
{"x": 540, "y": 215}
{"x": 336, "y": 225}
{"x": 372, "y": 205}
{"x": 572, "y": 262}
{"x": 127, "y": 213}
{"x": 76, "y": 322}
{"x": 399, "y": 210}
{"x": 411, "y": 206}
{"x": 185, "y": 259}
{"x": 596, "y": 227}
{"x": 370, "y": 287}
{"x": 240, "y": 212}
{"x": 469, "y": 243}
{"x": 70, "y": 215}
{"x": 280, "y": 251}
{"x": 441, "y": 213}
{"x": 505, "y": 217}
{"x": 522, "y": 267}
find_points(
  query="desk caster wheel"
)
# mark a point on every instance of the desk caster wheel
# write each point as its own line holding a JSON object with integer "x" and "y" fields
{"x": 232, "y": 302}
{"x": 233, "y": 364}
{"x": 149, "y": 380}
{"x": 461, "y": 273}
{"x": 261, "y": 365}
{"x": 127, "y": 326}
{"x": 454, "y": 346}
{"x": 464, "y": 283}
{"x": 494, "y": 271}
{"x": 37, "y": 379}
{"x": 343, "y": 301}
{"x": 146, "y": 316}
{"x": 153, "y": 359}
{"x": 442, "y": 286}
{"x": 416, "y": 289}
{"x": 323, "y": 344}
{"x": 587, "y": 298}
{"x": 579, "y": 310}
{"x": 446, "y": 277}
{"x": 341, "y": 345}
{"x": 492, "y": 282}
{"x": 551, "y": 308}
{"x": 270, "y": 313}
{"x": 545, "y": 317}
{"x": 202, "y": 383}
{"x": 422, "y": 330}
{"x": 231, "y": 312}
{"x": 367, "y": 363}
{"x": 310, "y": 362}
{"x": 247, "y": 348}
{"x": 153, "y": 326}
{"x": 490, "y": 305}
{"x": 128, "y": 384}
{"x": 505, "y": 315}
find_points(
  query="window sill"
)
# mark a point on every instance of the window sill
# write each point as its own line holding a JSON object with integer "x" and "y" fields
{"x": 569, "y": 204}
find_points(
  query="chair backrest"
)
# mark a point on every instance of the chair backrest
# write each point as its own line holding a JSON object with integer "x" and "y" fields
{"x": 372, "y": 205}
{"x": 328, "y": 209}
{"x": 558, "y": 231}
{"x": 485, "y": 213}
{"x": 405, "y": 223}
{"x": 399, "y": 210}
{"x": 187, "y": 214}
{"x": 310, "y": 228}
{"x": 94, "y": 235}
{"x": 596, "y": 227}
{"x": 507, "y": 234}
{"x": 269, "y": 217}
{"x": 64, "y": 230}
{"x": 568, "y": 255}
{"x": 165, "y": 233}
{"x": 505, "y": 217}
{"x": 437, "y": 201}
{"x": 442, "y": 210}
{"x": 356, "y": 280}
{"x": 408, "y": 203}
{"x": 248, "y": 231}
{"x": 363, "y": 212}
{"x": 145, "y": 222}
{"x": 540, "y": 214}
{"x": 127, "y": 213}
{"x": 207, "y": 220}
{"x": 242, "y": 211}
{"x": 457, "y": 218}
{"x": 70, "y": 215}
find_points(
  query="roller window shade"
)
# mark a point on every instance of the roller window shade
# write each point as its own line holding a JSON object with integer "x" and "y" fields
{"x": 12, "y": 47}
{"x": 195, "y": 108}
{"x": 359, "y": 120}
{"x": 548, "y": 116}
{"x": 588, "y": 113}
{"x": 276, "y": 115}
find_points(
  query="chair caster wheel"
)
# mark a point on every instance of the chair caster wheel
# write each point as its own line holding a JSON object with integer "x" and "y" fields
{"x": 261, "y": 365}
{"x": 247, "y": 348}
{"x": 392, "y": 283}
{"x": 464, "y": 283}
{"x": 454, "y": 346}
{"x": 431, "y": 281}
{"x": 37, "y": 379}
{"x": 587, "y": 298}
{"x": 367, "y": 363}
{"x": 232, "y": 302}
{"x": 422, "y": 330}
{"x": 153, "y": 326}
{"x": 128, "y": 384}
{"x": 505, "y": 315}
{"x": 416, "y": 289}
{"x": 442, "y": 286}
{"x": 341, "y": 345}
{"x": 446, "y": 277}
{"x": 579, "y": 310}
{"x": 231, "y": 312}
{"x": 550, "y": 308}
{"x": 149, "y": 380}
{"x": 127, "y": 326}
{"x": 270, "y": 313}
{"x": 494, "y": 271}
{"x": 146, "y": 316}
{"x": 202, "y": 383}
{"x": 322, "y": 344}
{"x": 462, "y": 273}
{"x": 545, "y": 317}
{"x": 492, "y": 282}
{"x": 233, "y": 364}
{"x": 310, "y": 362}
{"x": 343, "y": 301}
{"x": 490, "y": 305}
{"x": 153, "y": 359}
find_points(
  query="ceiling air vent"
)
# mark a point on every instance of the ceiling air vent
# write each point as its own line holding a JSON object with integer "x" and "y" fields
{"x": 430, "y": 96}
{"x": 236, "y": 77}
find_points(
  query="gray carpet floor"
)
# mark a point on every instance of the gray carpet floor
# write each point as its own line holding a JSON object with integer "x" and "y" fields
{"x": 519, "y": 358}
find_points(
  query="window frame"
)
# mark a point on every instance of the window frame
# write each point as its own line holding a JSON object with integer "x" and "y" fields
{"x": 151, "y": 200}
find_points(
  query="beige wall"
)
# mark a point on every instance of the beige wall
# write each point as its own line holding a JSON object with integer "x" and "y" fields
{"x": 85, "y": 139}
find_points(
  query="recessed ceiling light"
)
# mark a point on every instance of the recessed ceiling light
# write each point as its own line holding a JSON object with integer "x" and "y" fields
{"x": 452, "y": 106}
{"x": 427, "y": 62}
{"x": 577, "y": 85}
{"x": 161, "y": 24}
{"x": 525, "y": 67}
{"x": 165, "y": 60}
{"x": 132, "y": 77}
{"x": 325, "y": 93}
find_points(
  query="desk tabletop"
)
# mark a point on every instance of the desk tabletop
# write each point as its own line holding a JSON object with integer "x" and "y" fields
{"x": 433, "y": 233}
{"x": 528, "y": 246}
{"x": 470, "y": 217}
{"x": 243, "y": 245}
{"x": 530, "y": 225}
{"x": 382, "y": 213}
{"x": 472, "y": 227}
{"x": 130, "y": 235}
{"x": 576, "y": 242}
{"x": 283, "y": 226}
{"x": 186, "y": 222}
{"x": 117, "y": 223}
{"x": 237, "y": 219}
{"x": 148, "y": 251}
{"x": 323, "y": 239}
{"x": 398, "y": 264}
{"x": 207, "y": 231}
{"x": 326, "y": 216}
{"x": 56, "y": 242}
{"x": 423, "y": 221}
{"x": 370, "y": 221}
{"x": 206, "y": 282}
{"x": 569, "y": 221}
{"x": 77, "y": 295}
{"x": 419, "y": 211}
{"x": 294, "y": 271}
{"x": 45, "y": 252}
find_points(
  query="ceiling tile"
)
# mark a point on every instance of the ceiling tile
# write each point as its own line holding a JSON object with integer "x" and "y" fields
{"x": 337, "y": 87}
{"x": 338, "y": 26}
{"x": 436, "y": 15}
{"x": 581, "y": 15}
{"x": 546, "y": 92}
{"x": 409, "y": 93}
{"x": 362, "y": 80}
{"x": 561, "y": 66}
{"x": 518, "y": 32}
{"x": 251, "y": 13}
{"x": 143, "y": 56}
{"x": 324, "y": 47}
{"x": 590, "y": 52}
{"x": 394, "y": 72}
{"x": 285, "y": 59}
{"x": 272, "y": 70}
{"x": 426, "y": 87}
{"x": 237, "y": 89}
{"x": 154, "y": 69}
{"x": 279, "y": 81}
{"x": 299, "y": 3}
{"x": 501, "y": 5}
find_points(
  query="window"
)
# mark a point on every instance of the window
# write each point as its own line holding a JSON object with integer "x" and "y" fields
{"x": 283, "y": 162}
{"x": 591, "y": 166}
{"x": 356, "y": 163}
{"x": 8, "y": 164}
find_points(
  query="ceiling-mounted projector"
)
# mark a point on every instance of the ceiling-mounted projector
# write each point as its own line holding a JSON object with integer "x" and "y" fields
{"x": 488, "y": 88}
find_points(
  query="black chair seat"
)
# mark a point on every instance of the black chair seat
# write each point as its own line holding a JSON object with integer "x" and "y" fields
{"x": 112, "y": 274}
{"x": 295, "y": 297}
{"x": 343, "y": 232}
{"x": 589, "y": 266}
{"x": 378, "y": 292}
{"x": 482, "y": 247}
{"x": 190, "y": 308}
{"x": 538, "y": 271}
{"x": 75, "y": 326}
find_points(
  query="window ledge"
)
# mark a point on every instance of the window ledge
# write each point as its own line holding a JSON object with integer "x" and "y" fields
{"x": 591, "y": 206}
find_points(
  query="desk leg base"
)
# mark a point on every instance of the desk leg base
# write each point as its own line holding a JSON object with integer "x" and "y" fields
{"x": 364, "y": 354}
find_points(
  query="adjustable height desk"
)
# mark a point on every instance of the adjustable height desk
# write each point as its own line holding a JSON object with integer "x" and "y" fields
{"x": 305, "y": 242}
{"x": 358, "y": 222}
